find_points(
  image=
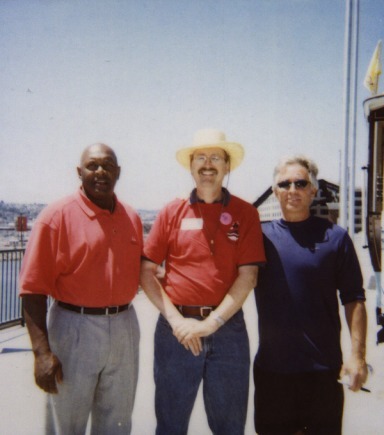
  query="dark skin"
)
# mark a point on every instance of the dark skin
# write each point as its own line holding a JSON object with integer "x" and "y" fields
{"x": 48, "y": 371}
{"x": 98, "y": 172}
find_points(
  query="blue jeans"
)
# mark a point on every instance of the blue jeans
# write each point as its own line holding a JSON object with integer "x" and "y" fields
{"x": 223, "y": 365}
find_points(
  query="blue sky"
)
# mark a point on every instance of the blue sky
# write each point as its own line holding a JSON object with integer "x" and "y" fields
{"x": 143, "y": 76}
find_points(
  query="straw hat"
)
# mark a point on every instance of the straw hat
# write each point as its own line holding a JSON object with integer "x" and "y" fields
{"x": 211, "y": 138}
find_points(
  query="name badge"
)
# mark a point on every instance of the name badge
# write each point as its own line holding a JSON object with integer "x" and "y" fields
{"x": 191, "y": 224}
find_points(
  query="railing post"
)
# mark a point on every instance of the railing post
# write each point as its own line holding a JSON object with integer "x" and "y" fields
{"x": 11, "y": 311}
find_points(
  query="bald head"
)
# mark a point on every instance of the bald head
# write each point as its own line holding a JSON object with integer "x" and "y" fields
{"x": 97, "y": 148}
{"x": 99, "y": 172}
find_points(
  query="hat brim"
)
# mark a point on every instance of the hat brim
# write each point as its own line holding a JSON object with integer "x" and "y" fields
{"x": 234, "y": 150}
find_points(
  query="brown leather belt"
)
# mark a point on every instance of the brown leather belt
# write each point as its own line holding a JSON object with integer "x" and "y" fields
{"x": 193, "y": 310}
{"x": 99, "y": 311}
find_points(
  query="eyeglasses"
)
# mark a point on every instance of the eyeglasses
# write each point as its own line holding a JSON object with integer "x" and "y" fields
{"x": 202, "y": 158}
{"x": 299, "y": 184}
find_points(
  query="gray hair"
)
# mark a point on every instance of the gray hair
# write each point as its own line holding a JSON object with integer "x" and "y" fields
{"x": 303, "y": 161}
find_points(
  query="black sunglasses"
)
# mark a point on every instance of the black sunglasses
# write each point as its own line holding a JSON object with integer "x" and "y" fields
{"x": 299, "y": 184}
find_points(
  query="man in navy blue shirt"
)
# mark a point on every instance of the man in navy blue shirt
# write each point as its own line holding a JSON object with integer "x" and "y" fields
{"x": 299, "y": 359}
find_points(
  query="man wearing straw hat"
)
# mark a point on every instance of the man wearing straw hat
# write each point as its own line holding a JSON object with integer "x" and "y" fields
{"x": 211, "y": 244}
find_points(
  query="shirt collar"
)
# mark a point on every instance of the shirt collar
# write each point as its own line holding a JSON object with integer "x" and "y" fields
{"x": 89, "y": 207}
{"x": 193, "y": 199}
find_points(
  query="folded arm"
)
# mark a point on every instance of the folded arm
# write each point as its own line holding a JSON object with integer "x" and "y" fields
{"x": 189, "y": 331}
{"x": 231, "y": 304}
{"x": 160, "y": 299}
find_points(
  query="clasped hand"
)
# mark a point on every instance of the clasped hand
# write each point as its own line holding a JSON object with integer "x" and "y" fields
{"x": 189, "y": 331}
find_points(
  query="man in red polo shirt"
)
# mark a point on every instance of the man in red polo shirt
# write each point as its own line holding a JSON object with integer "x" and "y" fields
{"x": 84, "y": 252}
{"x": 211, "y": 244}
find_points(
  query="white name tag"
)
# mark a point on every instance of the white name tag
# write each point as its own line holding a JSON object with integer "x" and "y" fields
{"x": 192, "y": 224}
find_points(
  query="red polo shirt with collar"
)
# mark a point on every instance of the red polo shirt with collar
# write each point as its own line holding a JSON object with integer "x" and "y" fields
{"x": 181, "y": 236}
{"x": 83, "y": 255}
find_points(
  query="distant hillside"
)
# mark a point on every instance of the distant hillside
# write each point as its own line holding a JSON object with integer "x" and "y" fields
{"x": 9, "y": 211}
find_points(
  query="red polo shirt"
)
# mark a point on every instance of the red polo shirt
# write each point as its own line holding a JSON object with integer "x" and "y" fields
{"x": 84, "y": 255}
{"x": 182, "y": 234}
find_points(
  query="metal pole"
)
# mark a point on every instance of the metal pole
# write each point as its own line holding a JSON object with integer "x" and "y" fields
{"x": 364, "y": 213}
{"x": 352, "y": 171}
{"x": 344, "y": 154}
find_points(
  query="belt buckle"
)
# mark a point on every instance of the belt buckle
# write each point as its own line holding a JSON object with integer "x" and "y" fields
{"x": 116, "y": 307}
{"x": 205, "y": 311}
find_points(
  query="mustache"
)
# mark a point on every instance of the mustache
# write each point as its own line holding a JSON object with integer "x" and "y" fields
{"x": 207, "y": 169}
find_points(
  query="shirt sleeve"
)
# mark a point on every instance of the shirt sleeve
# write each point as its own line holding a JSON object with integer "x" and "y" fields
{"x": 39, "y": 269}
{"x": 156, "y": 244}
{"x": 349, "y": 277}
{"x": 251, "y": 242}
